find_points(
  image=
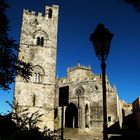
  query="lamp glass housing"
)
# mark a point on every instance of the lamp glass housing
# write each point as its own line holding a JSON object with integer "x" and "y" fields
{"x": 101, "y": 39}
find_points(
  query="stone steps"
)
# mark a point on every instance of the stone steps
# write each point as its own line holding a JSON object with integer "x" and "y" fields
{"x": 79, "y": 134}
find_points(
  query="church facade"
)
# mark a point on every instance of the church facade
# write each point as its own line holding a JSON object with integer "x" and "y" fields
{"x": 83, "y": 113}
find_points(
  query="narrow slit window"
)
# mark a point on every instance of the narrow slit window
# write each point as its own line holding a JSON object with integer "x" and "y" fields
{"x": 35, "y": 77}
{"x": 50, "y": 13}
{"x": 38, "y": 78}
{"x": 34, "y": 100}
{"x": 38, "y": 41}
{"x": 55, "y": 113}
{"x": 109, "y": 118}
{"x": 42, "y": 41}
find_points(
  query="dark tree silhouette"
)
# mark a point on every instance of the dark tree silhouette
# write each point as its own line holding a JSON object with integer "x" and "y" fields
{"x": 21, "y": 125}
{"x": 135, "y": 3}
{"x": 10, "y": 66}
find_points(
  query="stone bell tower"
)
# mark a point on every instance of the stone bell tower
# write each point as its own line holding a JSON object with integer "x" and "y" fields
{"x": 38, "y": 45}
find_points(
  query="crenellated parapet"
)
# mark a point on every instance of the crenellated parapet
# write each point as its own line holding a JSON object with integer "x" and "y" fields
{"x": 33, "y": 13}
{"x": 40, "y": 25}
{"x": 62, "y": 80}
{"x": 79, "y": 66}
{"x": 49, "y": 11}
{"x": 79, "y": 72}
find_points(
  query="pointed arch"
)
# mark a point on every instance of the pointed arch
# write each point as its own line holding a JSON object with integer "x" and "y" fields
{"x": 40, "y": 38}
{"x": 40, "y": 33}
{"x": 71, "y": 116}
{"x": 38, "y": 69}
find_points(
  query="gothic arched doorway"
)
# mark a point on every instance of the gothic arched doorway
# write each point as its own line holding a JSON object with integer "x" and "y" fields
{"x": 71, "y": 116}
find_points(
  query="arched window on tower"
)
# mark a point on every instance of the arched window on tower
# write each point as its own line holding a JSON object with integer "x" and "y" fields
{"x": 42, "y": 41}
{"x": 38, "y": 79}
{"x": 38, "y": 41}
{"x": 40, "y": 36}
{"x": 35, "y": 77}
{"x": 38, "y": 74}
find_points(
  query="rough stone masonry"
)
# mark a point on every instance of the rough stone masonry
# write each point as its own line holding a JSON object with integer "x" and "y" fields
{"x": 83, "y": 116}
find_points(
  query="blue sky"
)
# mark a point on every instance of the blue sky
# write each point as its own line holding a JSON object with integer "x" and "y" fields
{"x": 77, "y": 20}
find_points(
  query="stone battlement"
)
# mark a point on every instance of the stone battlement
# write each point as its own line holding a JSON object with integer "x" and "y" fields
{"x": 79, "y": 66}
{"x": 26, "y": 11}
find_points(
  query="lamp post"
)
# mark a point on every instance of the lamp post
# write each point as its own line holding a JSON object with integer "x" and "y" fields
{"x": 101, "y": 39}
{"x": 78, "y": 92}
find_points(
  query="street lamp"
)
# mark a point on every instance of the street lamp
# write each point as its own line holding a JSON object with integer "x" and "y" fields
{"x": 101, "y": 39}
{"x": 78, "y": 93}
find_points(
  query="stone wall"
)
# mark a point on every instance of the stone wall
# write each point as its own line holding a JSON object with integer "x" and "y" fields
{"x": 136, "y": 113}
{"x": 89, "y": 101}
{"x": 38, "y": 46}
{"x": 83, "y": 116}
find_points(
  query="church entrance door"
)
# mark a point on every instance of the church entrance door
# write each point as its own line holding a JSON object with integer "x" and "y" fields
{"x": 71, "y": 116}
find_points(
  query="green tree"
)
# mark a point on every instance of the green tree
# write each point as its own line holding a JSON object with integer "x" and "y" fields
{"x": 10, "y": 66}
